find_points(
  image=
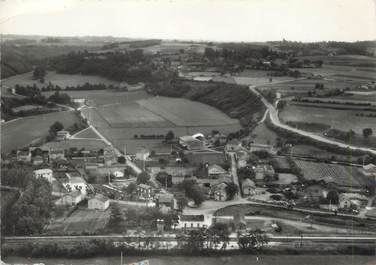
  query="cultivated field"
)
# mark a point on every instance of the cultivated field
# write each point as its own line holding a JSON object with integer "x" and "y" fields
{"x": 301, "y": 87}
{"x": 87, "y": 144}
{"x": 342, "y": 175}
{"x": 339, "y": 119}
{"x": 62, "y": 80}
{"x": 123, "y": 132}
{"x": 131, "y": 115}
{"x": 183, "y": 112}
{"x": 81, "y": 220}
{"x": 20, "y": 132}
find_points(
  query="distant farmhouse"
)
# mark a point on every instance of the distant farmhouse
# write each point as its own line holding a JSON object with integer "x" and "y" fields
{"x": 191, "y": 143}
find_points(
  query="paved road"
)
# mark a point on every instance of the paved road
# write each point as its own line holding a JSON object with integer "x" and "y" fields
{"x": 273, "y": 114}
{"x": 129, "y": 163}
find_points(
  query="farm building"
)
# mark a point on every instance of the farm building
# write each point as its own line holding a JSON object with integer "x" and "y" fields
{"x": 143, "y": 154}
{"x": 233, "y": 145}
{"x": 190, "y": 143}
{"x": 38, "y": 160}
{"x": 215, "y": 171}
{"x": 99, "y": 202}
{"x": 261, "y": 147}
{"x": 62, "y": 135}
{"x": 248, "y": 187}
{"x": 262, "y": 172}
{"x": 56, "y": 154}
{"x": 131, "y": 87}
{"x": 166, "y": 202}
{"x": 109, "y": 156}
{"x": 192, "y": 221}
{"x": 315, "y": 192}
{"x": 24, "y": 155}
{"x": 219, "y": 191}
{"x": 352, "y": 200}
{"x": 71, "y": 199}
{"x": 144, "y": 191}
{"x": 45, "y": 173}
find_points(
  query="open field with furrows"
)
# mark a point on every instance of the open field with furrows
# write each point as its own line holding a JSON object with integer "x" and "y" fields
{"x": 61, "y": 80}
{"x": 183, "y": 112}
{"x": 312, "y": 151}
{"x": 341, "y": 175}
{"x": 348, "y": 72}
{"x": 120, "y": 122}
{"x": 257, "y": 77}
{"x": 87, "y": 144}
{"x": 18, "y": 133}
{"x": 358, "y": 61}
{"x": 80, "y": 221}
{"x": 125, "y": 135}
{"x": 302, "y": 86}
{"x": 340, "y": 119}
{"x": 132, "y": 115}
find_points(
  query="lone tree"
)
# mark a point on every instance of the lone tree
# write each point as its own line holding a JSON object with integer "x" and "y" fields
{"x": 54, "y": 128}
{"x": 39, "y": 73}
{"x": 169, "y": 136}
{"x": 121, "y": 160}
{"x": 367, "y": 132}
{"x": 332, "y": 197}
{"x": 143, "y": 178}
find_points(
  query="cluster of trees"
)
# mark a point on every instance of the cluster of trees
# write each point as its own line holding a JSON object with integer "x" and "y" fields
{"x": 132, "y": 66}
{"x": 39, "y": 73}
{"x": 86, "y": 86}
{"x": 33, "y": 96}
{"x": 367, "y": 132}
{"x": 31, "y": 212}
{"x": 60, "y": 98}
{"x": 164, "y": 179}
{"x": 192, "y": 191}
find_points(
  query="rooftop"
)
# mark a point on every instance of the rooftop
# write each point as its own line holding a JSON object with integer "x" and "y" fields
{"x": 100, "y": 197}
{"x": 192, "y": 218}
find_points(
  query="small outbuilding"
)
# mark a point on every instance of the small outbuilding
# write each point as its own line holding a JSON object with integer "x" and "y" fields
{"x": 99, "y": 202}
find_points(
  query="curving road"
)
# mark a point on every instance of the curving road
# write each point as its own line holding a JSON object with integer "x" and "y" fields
{"x": 273, "y": 114}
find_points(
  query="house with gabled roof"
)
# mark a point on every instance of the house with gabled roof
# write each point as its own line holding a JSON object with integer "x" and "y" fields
{"x": 99, "y": 202}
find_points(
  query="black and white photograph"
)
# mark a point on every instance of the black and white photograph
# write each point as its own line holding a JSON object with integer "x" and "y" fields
{"x": 178, "y": 132}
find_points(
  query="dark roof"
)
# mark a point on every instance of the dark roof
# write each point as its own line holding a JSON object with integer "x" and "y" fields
{"x": 192, "y": 218}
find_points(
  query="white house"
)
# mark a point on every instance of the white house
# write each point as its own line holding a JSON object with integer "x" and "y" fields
{"x": 193, "y": 221}
{"x": 45, "y": 173}
{"x": 99, "y": 202}
{"x": 70, "y": 199}
{"x": 248, "y": 187}
{"x": 143, "y": 154}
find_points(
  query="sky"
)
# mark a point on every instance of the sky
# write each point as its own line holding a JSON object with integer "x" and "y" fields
{"x": 213, "y": 20}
